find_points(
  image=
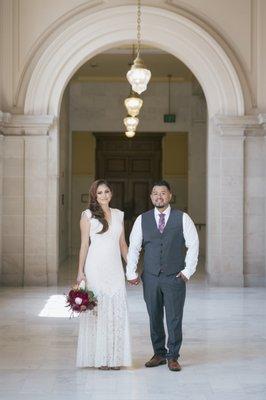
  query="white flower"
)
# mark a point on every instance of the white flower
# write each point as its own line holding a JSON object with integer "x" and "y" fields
{"x": 82, "y": 285}
{"x": 78, "y": 300}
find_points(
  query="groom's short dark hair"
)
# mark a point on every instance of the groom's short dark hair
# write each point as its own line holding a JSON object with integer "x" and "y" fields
{"x": 162, "y": 182}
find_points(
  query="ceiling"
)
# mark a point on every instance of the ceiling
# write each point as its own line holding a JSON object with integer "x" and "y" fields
{"x": 113, "y": 65}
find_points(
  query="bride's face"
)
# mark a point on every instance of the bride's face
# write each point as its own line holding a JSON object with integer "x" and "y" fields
{"x": 104, "y": 195}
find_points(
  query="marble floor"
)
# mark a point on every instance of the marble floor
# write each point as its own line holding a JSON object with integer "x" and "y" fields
{"x": 223, "y": 353}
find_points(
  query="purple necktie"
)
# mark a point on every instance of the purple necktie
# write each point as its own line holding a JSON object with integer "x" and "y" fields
{"x": 161, "y": 222}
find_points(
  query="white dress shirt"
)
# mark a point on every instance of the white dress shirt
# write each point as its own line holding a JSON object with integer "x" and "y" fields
{"x": 191, "y": 242}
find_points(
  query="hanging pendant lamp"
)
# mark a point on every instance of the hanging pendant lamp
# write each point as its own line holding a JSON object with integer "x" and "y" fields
{"x": 138, "y": 76}
{"x": 131, "y": 123}
{"x": 133, "y": 104}
{"x": 130, "y": 134}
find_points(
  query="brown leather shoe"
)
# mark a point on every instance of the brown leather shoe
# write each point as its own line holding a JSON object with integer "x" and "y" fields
{"x": 155, "y": 361}
{"x": 174, "y": 365}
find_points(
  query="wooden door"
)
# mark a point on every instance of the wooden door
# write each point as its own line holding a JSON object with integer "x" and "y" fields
{"x": 131, "y": 166}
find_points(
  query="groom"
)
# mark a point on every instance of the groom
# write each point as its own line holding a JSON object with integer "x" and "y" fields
{"x": 164, "y": 233}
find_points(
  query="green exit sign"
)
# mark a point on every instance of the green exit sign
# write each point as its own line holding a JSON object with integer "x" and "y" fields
{"x": 169, "y": 118}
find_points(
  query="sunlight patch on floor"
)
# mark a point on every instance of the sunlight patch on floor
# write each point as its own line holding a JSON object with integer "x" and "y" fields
{"x": 55, "y": 307}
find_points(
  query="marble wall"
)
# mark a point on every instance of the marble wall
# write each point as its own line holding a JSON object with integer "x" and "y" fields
{"x": 82, "y": 176}
{"x": 197, "y": 185}
{"x": 98, "y": 106}
{"x": 175, "y": 166}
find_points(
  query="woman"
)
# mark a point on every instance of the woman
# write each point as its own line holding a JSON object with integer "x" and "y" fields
{"x": 103, "y": 340}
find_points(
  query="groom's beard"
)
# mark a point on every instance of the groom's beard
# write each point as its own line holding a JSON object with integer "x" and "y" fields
{"x": 160, "y": 205}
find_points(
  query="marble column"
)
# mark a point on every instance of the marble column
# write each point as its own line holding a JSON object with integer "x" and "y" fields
{"x": 264, "y": 129}
{"x": 26, "y": 215}
{"x": 225, "y": 202}
{"x": 1, "y": 190}
{"x": 236, "y": 243}
{"x": 255, "y": 205}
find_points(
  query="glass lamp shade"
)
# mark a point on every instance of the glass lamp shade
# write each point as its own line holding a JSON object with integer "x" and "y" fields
{"x": 131, "y": 123}
{"x": 133, "y": 104}
{"x": 138, "y": 76}
{"x": 130, "y": 134}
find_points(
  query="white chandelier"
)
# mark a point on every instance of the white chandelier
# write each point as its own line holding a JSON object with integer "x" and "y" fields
{"x": 133, "y": 104}
{"x": 131, "y": 123}
{"x": 130, "y": 134}
{"x": 138, "y": 76}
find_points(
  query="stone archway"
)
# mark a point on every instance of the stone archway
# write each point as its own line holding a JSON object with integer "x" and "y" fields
{"x": 83, "y": 38}
{"x": 161, "y": 28}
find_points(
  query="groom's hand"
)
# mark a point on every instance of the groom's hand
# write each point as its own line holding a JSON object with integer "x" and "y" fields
{"x": 182, "y": 276}
{"x": 134, "y": 281}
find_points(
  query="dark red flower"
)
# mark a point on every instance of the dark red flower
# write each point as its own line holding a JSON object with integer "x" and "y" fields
{"x": 80, "y": 300}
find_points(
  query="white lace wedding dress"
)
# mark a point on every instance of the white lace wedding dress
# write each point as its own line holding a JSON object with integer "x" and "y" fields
{"x": 104, "y": 338}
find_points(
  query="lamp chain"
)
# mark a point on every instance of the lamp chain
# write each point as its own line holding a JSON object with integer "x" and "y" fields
{"x": 169, "y": 92}
{"x": 138, "y": 26}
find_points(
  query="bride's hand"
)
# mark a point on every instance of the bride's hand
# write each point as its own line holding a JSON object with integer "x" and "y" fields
{"x": 81, "y": 277}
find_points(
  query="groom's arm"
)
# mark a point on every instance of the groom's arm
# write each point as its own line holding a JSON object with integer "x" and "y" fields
{"x": 135, "y": 240}
{"x": 192, "y": 245}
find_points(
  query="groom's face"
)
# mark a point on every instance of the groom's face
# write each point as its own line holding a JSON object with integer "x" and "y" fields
{"x": 160, "y": 196}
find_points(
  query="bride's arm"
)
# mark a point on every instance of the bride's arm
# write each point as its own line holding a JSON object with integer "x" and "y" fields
{"x": 84, "y": 246}
{"x": 123, "y": 244}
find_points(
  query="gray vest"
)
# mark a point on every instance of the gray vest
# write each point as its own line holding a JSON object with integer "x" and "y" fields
{"x": 163, "y": 251}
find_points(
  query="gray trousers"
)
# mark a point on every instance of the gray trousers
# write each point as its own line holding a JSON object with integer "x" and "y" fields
{"x": 165, "y": 292}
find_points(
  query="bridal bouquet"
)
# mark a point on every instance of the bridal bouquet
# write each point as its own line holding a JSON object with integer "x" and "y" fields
{"x": 80, "y": 299}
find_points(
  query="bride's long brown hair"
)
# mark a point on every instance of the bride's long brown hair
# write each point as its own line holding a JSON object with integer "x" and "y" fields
{"x": 95, "y": 207}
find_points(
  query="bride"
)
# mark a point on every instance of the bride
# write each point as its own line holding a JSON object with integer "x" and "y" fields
{"x": 103, "y": 339}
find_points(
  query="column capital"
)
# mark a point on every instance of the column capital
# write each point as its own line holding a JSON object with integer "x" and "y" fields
{"x": 25, "y": 125}
{"x": 241, "y": 126}
{"x": 262, "y": 120}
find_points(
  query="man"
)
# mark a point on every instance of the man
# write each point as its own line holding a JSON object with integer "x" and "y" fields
{"x": 164, "y": 233}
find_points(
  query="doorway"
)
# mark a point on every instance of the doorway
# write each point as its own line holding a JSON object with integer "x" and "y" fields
{"x": 131, "y": 166}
